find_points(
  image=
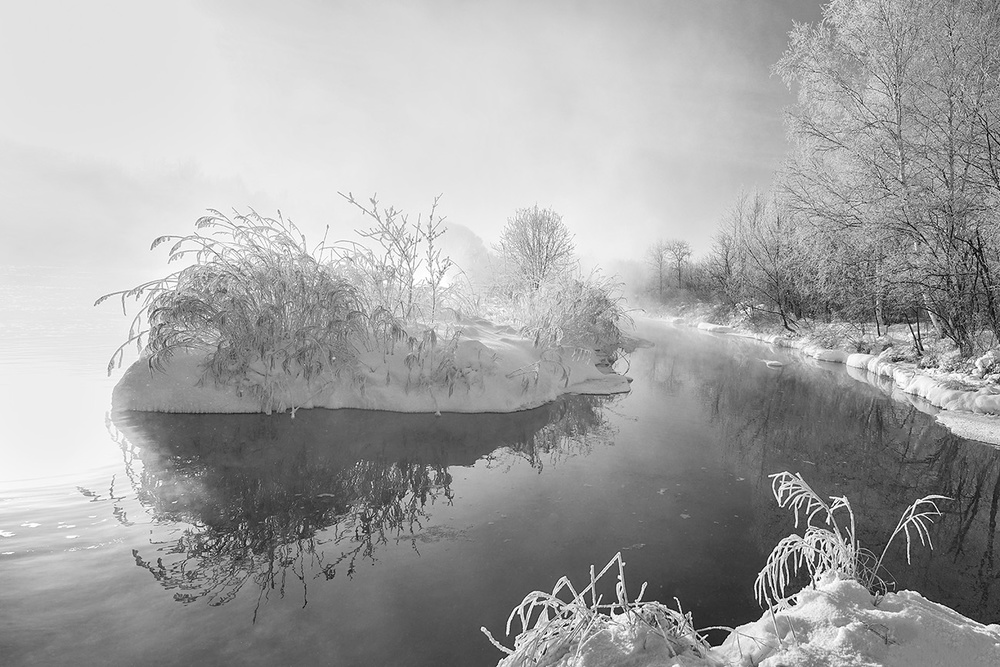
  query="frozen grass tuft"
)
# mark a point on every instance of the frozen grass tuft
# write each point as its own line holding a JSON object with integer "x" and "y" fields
{"x": 831, "y": 546}
{"x": 587, "y": 313}
{"x": 554, "y": 629}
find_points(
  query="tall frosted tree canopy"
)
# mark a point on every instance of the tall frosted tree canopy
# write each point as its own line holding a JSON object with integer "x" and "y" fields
{"x": 896, "y": 130}
{"x": 536, "y": 245}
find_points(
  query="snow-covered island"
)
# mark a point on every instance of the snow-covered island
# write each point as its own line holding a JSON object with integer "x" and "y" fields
{"x": 264, "y": 322}
{"x": 479, "y": 367}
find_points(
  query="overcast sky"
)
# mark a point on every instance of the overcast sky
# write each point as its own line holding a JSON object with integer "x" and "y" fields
{"x": 636, "y": 120}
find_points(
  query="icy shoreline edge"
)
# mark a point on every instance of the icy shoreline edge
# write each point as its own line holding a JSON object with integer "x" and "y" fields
{"x": 969, "y": 414}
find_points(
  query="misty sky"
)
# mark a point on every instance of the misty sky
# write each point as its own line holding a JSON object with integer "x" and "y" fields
{"x": 635, "y": 120}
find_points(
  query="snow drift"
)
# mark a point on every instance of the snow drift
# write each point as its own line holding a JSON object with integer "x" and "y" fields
{"x": 837, "y": 623}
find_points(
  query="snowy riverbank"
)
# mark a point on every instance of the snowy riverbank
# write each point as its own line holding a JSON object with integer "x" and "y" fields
{"x": 837, "y": 623}
{"x": 969, "y": 413}
{"x": 825, "y": 601}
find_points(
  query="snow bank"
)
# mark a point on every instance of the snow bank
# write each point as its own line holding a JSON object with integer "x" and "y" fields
{"x": 839, "y": 623}
{"x": 971, "y": 426}
{"x": 481, "y": 368}
{"x": 715, "y": 328}
{"x": 985, "y": 401}
{"x": 836, "y": 624}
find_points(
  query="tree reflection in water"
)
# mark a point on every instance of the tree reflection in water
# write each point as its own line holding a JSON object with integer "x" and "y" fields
{"x": 273, "y": 500}
{"x": 846, "y": 438}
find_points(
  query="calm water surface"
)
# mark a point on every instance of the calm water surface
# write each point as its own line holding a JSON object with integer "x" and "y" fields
{"x": 360, "y": 538}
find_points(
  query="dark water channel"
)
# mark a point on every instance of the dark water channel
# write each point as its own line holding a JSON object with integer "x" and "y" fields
{"x": 354, "y": 538}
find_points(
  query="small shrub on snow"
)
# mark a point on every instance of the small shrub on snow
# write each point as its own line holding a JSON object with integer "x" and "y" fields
{"x": 586, "y": 313}
{"x": 828, "y": 546}
{"x": 951, "y": 361}
{"x": 928, "y": 361}
{"x": 827, "y": 339}
{"x": 555, "y": 631}
{"x": 860, "y": 345}
{"x": 258, "y": 301}
{"x": 988, "y": 364}
{"x": 267, "y": 309}
{"x": 898, "y": 353}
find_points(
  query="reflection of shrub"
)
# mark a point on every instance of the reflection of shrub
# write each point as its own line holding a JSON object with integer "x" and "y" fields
{"x": 575, "y": 424}
{"x": 261, "y": 501}
{"x": 253, "y": 528}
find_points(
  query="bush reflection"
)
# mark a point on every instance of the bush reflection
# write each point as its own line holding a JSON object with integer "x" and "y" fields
{"x": 274, "y": 500}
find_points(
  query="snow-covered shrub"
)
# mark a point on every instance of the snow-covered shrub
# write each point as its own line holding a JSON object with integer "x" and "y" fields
{"x": 860, "y": 345}
{"x": 988, "y": 364}
{"x": 928, "y": 361}
{"x": 584, "y": 312}
{"x": 399, "y": 268}
{"x": 258, "y": 301}
{"x": 829, "y": 546}
{"x": 584, "y": 629}
{"x": 267, "y": 309}
{"x": 897, "y": 353}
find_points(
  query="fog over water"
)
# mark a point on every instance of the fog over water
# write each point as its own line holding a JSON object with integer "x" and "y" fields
{"x": 634, "y": 120}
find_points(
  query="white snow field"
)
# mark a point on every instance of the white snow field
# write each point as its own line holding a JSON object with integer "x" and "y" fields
{"x": 477, "y": 367}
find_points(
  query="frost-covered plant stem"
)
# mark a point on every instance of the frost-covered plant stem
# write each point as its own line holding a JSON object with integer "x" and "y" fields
{"x": 828, "y": 548}
{"x": 552, "y": 627}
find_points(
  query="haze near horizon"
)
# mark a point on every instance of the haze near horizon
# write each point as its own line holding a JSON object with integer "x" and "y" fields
{"x": 635, "y": 121}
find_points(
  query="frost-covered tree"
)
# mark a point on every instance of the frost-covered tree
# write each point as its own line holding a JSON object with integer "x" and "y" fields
{"x": 664, "y": 256}
{"x": 679, "y": 252}
{"x": 656, "y": 259}
{"x": 894, "y": 130}
{"x": 757, "y": 241}
{"x": 536, "y": 246}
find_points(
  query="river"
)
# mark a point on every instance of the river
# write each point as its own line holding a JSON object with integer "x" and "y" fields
{"x": 362, "y": 538}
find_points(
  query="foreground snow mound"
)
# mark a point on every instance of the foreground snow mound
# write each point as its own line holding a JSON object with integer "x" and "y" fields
{"x": 839, "y": 623}
{"x": 621, "y": 643}
{"x": 479, "y": 367}
{"x": 836, "y": 624}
